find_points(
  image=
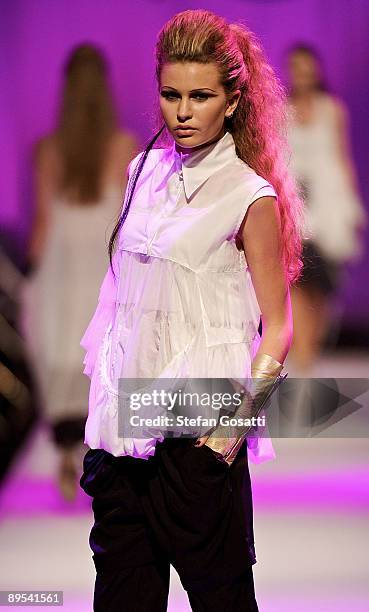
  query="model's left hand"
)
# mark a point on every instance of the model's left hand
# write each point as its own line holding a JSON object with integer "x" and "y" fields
{"x": 237, "y": 387}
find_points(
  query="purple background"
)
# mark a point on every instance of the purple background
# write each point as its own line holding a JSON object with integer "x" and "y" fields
{"x": 37, "y": 34}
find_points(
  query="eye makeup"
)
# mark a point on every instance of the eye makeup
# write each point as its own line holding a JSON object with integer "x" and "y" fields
{"x": 196, "y": 94}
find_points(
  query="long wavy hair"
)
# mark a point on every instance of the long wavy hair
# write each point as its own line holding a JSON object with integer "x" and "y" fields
{"x": 86, "y": 122}
{"x": 259, "y": 123}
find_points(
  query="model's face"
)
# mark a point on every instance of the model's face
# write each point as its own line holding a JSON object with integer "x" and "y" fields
{"x": 193, "y": 103}
{"x": 303, "y": 72}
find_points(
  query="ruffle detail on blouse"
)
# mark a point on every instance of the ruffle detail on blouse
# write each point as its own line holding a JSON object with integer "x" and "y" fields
{"x": 164, "y": 320}
{"x": 103, "y": 316}
{"x": 162, "y": 306}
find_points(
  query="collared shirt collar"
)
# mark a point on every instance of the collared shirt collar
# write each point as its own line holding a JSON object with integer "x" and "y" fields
{"x": 197, "y": 166}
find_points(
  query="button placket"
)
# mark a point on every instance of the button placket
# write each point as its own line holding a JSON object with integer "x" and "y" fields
{"x": 165, "y": 212}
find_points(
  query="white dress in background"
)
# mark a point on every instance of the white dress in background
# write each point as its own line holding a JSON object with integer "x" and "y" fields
{"x": 332, "y": 207}
{"x": 59, "y": 299}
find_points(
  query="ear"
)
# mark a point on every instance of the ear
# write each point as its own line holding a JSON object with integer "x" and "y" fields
{"x": 232, "y": 103}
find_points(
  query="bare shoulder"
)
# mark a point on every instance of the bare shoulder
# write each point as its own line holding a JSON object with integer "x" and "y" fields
{"x": 266, "y": 207}
{"x": 262, "y": 241}
{"x": 45, "y": 152}
{"x": 44, "y": 145}
{"x": 124, "y": 147}
{"x": 337, "y": 107}
{"x": 124, "y": 141}
{"x": 262, "y": 219}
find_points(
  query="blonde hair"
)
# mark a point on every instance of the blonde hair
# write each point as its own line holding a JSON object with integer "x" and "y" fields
{"x": 259, "y": 122}
{"x": 258, "y": 125}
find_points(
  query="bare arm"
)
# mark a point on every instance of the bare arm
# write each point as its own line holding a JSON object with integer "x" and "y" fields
{"x": 125, "y": 149}
{"x": 344, "y": 143}
{"x": 262, "y": 243}
{"x": 45, "y": 177}
{"x": 261, "y": 237}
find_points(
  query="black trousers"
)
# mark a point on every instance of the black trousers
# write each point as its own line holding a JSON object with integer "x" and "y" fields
{"x": 181, "y": 507}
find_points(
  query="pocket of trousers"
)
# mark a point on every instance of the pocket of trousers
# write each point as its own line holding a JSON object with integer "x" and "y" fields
{"x": 98, "y": 472}
{"x": 207, "y": 451}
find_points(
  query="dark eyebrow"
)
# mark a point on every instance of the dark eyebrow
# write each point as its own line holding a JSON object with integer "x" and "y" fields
{"x": 192, "y": 90}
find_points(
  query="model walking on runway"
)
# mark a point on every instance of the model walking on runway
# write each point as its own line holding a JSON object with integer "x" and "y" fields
{"x": 208, "y": 239}
{"x": 78, "y": 182}
{"x": 334, "y": 214}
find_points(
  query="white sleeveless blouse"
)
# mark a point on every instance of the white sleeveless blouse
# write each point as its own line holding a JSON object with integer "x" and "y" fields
{"x": 182, "y": 304}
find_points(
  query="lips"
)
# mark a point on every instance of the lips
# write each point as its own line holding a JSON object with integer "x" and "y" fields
{"x": 184, "y": 128}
